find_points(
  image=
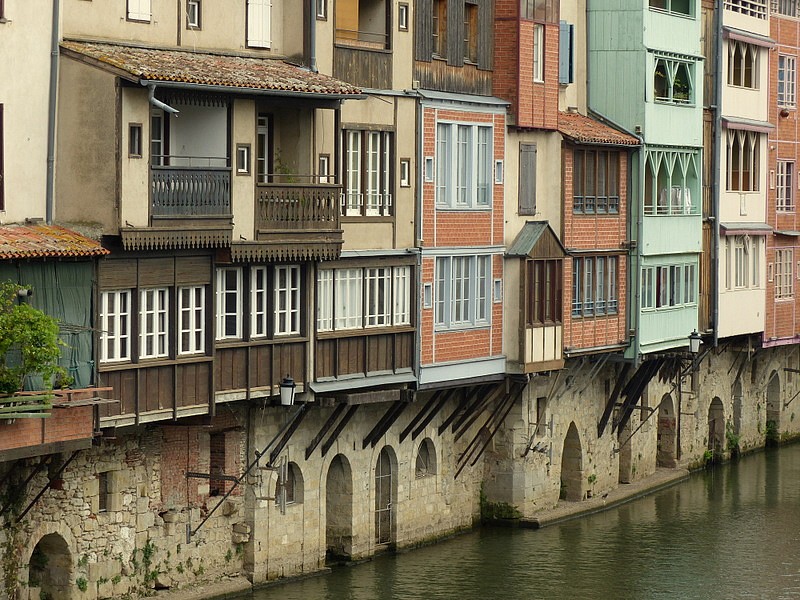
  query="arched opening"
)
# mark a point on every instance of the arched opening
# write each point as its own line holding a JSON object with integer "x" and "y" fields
{"x": 773, "y": 424}
{"x": 572, "y": 466}
{"x": 667, "y": 433}
{"x": 716, "y": 427}
{"x": 50, "y": 568}
{"x": 385, "y": 496}
{"x": 737, "y": 407}
{"x": 289, "y": 487}
{"x": 625, "y": 453}
{"x": 426, "y": 459}
{"x": 339, "y": 509}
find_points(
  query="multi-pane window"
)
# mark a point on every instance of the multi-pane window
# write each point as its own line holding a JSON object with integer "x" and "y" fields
{"x": 787, "y": 77}
{"x": 355, "y": 298}
{"x": 259, "y": 314}
{"x": 539, "y": 11}
{"x": 673, "y": 81}
{"x": 262, "y": 148}
{"x": 742, "y": 64}
{"x": 368, "y": 173}
{"x": 742, "y": 265}
{"x": 543, "y": 294}
{"x": 671, "y": 178}
{"x": 786, "y": 7}
{"x": 439, "y": 27}
{"x": 679, "y": 7}
{"x": 153, "y": 322}
{"x": 538, "y": 52}
{"x": 470, "y": 32}
{"x": 751, "y": 8}
{"x": 595, "y": 177}
{"x": 191, "y": 319}
{"x": 462, "y": 291}
{"x": 115, "y": 325}
{"x": 784, "y": 276}
{"x": 784, "y": 188}
{"x": 193, "y": 14}
{"x": 229, "y": 303}
{"x": 594, "y": 286}
{"x": 287, "y": 300}
{"x": 464, "y": 155}
{"x": 743, "y": 160}
{"x": 668, "y": 286}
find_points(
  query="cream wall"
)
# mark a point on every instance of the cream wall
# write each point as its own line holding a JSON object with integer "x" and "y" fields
{"x": 741, "y": 311}
{"x": 223, "y": 25}
{"x": 747, "y": 207}
{"x": 745, "y": 23}
{"x": 574, "y": 94}
{"x": 743, "y": 102}
{"x": 512, "y": 320}
{"x": 242, "y": 186}
{"x": 86, "y": 174}
{"x": 134, "y": 172}
{"x": 402, "y": 50}
{"x": 25, "y": 48}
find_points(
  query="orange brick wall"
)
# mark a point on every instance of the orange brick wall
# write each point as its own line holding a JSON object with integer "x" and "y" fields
{"x": 64, "y": 424}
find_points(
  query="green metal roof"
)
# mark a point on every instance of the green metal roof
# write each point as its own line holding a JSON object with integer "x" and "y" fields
{"x": 529, "y": 236}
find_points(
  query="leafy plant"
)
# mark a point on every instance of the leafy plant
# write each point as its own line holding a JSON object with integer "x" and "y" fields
{"x": 732, "y": 440}
{"x": 591, "y": 479}
{"x": 82, "y": 584}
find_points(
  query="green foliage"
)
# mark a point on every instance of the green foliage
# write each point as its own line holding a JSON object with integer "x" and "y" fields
{"x": 771, "y": 436}
{"x": 228, "y": 555}
{"x": 732, "y": 440}
{"x": 29, "y": 343}
{"x": 83, "y": 560}
{"x": 82, "y": 584}
{"x": 495, "y": 511}
{"x": 116, "y": 579}
{"x": 239, "y": 549}
{"x": 591, "y": 479}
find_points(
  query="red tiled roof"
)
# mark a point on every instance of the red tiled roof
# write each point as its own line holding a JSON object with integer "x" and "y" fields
{"x": 202, "y": 68}
{"x": 41, "y": 241}
{"x": 586, "y": 130}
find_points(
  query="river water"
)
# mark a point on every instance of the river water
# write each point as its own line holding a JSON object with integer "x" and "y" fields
{"x": 730, "y": 532}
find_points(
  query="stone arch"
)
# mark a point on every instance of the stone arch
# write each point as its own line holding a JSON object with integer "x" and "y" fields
{"x": 339, "y": 508}
{"x": 572, "y": 466}
{"x": 773, "y": 422}
{"x": 716, "y": 427}
{"x": 737, "y": 394}
{"x": 291, "y": 484}
{"x": 426, "y": 463}
{"x": 667, "y": 433}
{"x": 385, "y": 495}
{"x": 50, "y": 568}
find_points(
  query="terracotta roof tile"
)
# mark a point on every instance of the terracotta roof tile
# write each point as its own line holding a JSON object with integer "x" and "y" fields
{"x": 42, "y": 241}
{"x": 586, "y": 130}
{"x": 203, "y": 68}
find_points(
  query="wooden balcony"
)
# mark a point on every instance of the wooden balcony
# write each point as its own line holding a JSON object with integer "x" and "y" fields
{"x": 362, "y": 60}
{"x": 294, "y": 221}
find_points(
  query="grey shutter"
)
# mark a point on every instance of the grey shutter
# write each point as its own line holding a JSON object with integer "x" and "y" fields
{"x": 455, "y": 33}
{"x": 423, "y": 30}
{"x": 565, "y": 46}
{"x": 485, "y": 34}
{"x": 527, "y": 179}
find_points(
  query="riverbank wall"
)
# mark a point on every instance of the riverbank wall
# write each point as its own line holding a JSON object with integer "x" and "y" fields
{"x": 159, "y": 507}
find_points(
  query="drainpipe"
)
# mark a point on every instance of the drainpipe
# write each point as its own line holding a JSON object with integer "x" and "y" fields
{"x": 312, "y": 36}
{"x": 715, "y": 199}
{"x": 51, "y": 115}
{"x": 151, "y": 97}
{"x": 418, "y": 236}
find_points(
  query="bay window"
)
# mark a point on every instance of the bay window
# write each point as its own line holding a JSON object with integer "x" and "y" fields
{"x": 462, "y": 291}
{"x": 367, "y": 173}
{"x": 594, "y": 286}
{"x": 464, "y": 161}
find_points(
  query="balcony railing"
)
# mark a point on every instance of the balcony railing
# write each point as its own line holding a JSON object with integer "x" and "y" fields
{"x": 190, "y": 191}
{"x": 297, "y": 206}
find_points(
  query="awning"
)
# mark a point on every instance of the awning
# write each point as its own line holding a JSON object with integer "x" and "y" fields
{"x": 536, "y": 240}
{"x": 745, "y": 228}
{"x": 745, "y": 36}
{"x": 747, "y": 124}
{"x": 209, "y": 71}
{"x": 586, "y": 130}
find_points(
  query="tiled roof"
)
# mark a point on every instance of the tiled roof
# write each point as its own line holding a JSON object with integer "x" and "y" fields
{"x": 42, "y": 241}
{"x": 585, "y": 130}
{"x": 201, "y": 68}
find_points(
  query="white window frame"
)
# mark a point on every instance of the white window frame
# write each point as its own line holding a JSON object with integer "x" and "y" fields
{"x": 461, "y": 291}
{"x": 784, "y": 274}
{"x": 225, "y": 294}
{"x": 259, "y": 307}
{"x": 741, "y": 261}
{"x": 153, "y": 322}
{"x": 787, "y": 80}
{"x": 348, "y": 297}
{"x": 368, "y": 173}
{"x": 325, "y": 300}
{"x": 193, "y": 8}
{"x": 191, "y": 319}
{"x": 671, "y": 69}
{"x": 378, "y": 302}
{"x": 287, "y": 300}
{"x": 538, "y": 53}
{"x": 401, "y": 295}
{"x": 115, "y": 326}
{"x": 784, "y": 187}
{"x": 744, "y": 55}
{"x": 668, "y": 286}
{"x": 744, "y": 157}
{"x": 464, "y": 164}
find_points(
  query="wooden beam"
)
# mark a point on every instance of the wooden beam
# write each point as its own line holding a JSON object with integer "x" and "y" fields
{"x": 324, "y": 429}
{"x": 493, "y": 395}
{"x": 345, "y": 420}
{"x": 420, "y": 414}
{"x": 386, "y": 421}
{"x": 461, "y": 404}
{"x": 426, "y": 421}
{"x": 612, "y": 400}
{"x": 298, "y": 418}
{"x": 50, "y": 481}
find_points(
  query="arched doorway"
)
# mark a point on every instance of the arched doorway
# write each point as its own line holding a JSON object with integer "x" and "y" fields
{"x": 667, "y": 433}
{"x": 50, "y": 568}
{"x": 716, "y": 427}
{"x": 737, "y": 407}
{"x": 773, "y": 424}
{"x": 625, "y": 453}
{"x": 339, "y": 509}
{"x": 572, "y": 466}
{"x": 385, "y": 496}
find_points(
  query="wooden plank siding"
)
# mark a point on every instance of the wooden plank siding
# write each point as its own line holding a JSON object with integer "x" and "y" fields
{"x": 259, "y": 366}
{"x": 364, "y": 355}
{"x": 363, "y": 67}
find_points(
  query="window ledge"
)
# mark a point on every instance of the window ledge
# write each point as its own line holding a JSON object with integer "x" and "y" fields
{"x": 365, "y": 331}
{"x": 459, "y": 328}
{"x": 464, "y": 208}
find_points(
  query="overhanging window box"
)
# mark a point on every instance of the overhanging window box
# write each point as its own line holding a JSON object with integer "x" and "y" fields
{"x": 462, "y": 296}
{"x": 464, "y": 164}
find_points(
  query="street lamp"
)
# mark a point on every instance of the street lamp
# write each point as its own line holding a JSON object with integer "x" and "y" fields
{"x": 694, "y": 342}
{"x": 287, "y": 391}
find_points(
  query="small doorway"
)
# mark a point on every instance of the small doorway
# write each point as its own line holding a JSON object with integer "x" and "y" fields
{"x": 50, "y": 569}
{"x": 716, "y": 428}
{"x": 385, "y": 496}
{"x": 339, "y": 509}
{"x": 667, "y": 434}
{"x": 773, "y": 424}
{"x": 572, "y": 467}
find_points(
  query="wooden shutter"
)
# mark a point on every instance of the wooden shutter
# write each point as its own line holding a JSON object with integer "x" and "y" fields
{"x": 423, "y": 30}
{"x": 565, "y": 46}
{"x": 259, "y": 14}
{"x": 485, "y": 34}
{"x": 139, "y": 10}
{"x": 455, "y": 33}
{"x": 527, "y": 179}
{"x": 2, "y": 172}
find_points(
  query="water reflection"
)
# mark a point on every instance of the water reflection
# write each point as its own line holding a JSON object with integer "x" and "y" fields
{"x": 733, "y": 532}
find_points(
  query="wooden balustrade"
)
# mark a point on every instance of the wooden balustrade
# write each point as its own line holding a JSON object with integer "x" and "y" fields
{"x": 297, "y": 207}
{"x": 190, "y": 191}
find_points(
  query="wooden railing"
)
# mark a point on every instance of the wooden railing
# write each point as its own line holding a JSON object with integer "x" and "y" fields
{"x": 297, "y": 207}
{"x": 190, "y": 191}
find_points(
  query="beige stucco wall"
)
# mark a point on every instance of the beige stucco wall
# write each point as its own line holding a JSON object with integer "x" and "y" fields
{"x": 574, "y": 94}
{"x": 511, "y": 311}
{"x": 749, "y": 207}
{"x": 25, "y": 48}
{"x": 242, "y": 186}
{"x": 743, "y": 102}
{"x": 86, "y": 177}
{"x": 745, "y": 23}
{"x": 402, "y": 46}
